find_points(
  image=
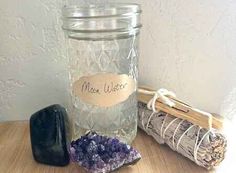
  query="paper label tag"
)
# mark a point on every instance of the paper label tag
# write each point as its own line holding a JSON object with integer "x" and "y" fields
{"x": 104, "y": 89}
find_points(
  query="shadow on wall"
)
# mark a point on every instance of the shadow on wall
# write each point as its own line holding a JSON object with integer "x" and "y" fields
{"x": 181, "y": 50}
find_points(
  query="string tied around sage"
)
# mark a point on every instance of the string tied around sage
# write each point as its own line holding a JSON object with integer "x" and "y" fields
{"x": 163, "y": 95}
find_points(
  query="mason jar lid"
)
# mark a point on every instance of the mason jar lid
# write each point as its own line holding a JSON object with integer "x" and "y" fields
{"x": 112, "y": 19}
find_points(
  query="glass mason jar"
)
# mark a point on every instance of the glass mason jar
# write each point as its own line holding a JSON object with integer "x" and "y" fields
{"x": 102, "y": 43}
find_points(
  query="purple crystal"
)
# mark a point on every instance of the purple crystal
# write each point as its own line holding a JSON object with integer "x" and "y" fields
{"x": 101, "y": 154}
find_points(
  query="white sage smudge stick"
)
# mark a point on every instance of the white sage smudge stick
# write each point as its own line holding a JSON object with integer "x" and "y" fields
{"x": 205, "y": 147}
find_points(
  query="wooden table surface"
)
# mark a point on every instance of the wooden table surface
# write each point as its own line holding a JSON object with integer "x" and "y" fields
{"x": 16, "y": 156}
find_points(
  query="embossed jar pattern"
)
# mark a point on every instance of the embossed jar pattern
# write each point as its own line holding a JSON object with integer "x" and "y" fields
{"x": 102, "y": 43}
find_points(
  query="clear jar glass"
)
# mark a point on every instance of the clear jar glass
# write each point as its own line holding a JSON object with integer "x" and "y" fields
{"x": 102, "y": 45}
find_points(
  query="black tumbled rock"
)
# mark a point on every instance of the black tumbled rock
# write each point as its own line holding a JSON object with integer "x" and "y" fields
{"x": 49, "y": 132}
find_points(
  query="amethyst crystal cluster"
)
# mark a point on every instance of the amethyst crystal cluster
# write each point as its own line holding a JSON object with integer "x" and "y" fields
{"x": 101, "y": 154}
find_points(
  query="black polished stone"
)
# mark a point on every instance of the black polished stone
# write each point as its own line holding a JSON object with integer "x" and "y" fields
{"x": 49, "y": 132}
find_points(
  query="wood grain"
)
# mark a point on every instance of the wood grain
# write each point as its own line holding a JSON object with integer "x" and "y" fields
{"x": 16, "y": 156}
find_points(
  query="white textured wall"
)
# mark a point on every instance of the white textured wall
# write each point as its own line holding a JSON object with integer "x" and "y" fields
{"x": 32, "y": 57}
{"x": 186, "y": 46}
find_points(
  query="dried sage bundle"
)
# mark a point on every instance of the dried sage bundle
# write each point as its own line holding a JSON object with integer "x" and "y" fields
{"x": 205, "y": 147}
